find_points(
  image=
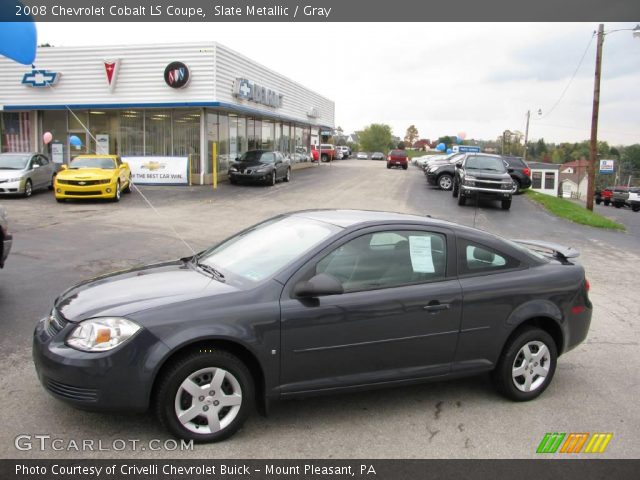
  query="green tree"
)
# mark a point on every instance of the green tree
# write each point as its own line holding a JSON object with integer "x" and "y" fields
{"x": 631, "y": 156}
{"x": 375, "y": 138}
{"x": 411, "y": 136}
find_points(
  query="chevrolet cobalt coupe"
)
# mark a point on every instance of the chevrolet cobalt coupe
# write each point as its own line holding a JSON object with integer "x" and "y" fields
{"x": 312, "y": 302}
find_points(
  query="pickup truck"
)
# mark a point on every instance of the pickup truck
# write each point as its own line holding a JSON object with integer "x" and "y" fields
{"x": 326, "y": 152}
{"x": 604, "y": 196}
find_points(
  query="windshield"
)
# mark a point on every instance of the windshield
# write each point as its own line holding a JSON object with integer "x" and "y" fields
{"x": 93, "y": 162}
{"x": 14, "y": 162}
{"x": 486, "y": 163}
{"x": 265, "y": 249}
{"x": 258, "y": 156}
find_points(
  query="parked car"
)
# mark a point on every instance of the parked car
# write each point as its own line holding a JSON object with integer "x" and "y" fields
{"x": 346, "y": 151}
{"x": 398, "y": 158}
{"x": 422, "y": 161}
{"x": 24, "y": 173}
{"x": 261, "y": 166}
{"x": 442, "y": 173}
{"x": 377, "y": 156}
{"x": 326, "y": 152}
{"x": 362, "y": 156}
{"x": 313, "y": 302}
{"x": 93, "y": 176}
{"x": 626, "y": 196}
{"x": 6, "y": 238}
{"x": 604, "y": 196}
{"x": 521, "y": 174}
{"x": 633, "y": 200}
{"x": 481, "y": 175}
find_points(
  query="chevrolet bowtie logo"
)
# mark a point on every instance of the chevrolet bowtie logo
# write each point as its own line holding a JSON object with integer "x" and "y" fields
{"x": 40, "y": 78}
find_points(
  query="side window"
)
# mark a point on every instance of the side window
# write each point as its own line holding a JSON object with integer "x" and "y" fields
{"x": 43, "y": 160}
{"x": 475, "y": 258}
{"x": 37, "y": 160}
{"x": 387, "y": 259}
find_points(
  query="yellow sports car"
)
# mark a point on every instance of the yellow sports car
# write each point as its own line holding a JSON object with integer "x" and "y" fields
{"x": 93, "y": 176}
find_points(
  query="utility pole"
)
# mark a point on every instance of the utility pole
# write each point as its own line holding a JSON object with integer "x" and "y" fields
{"x": 593, "y": 160}
{"x": 526, "y": 136}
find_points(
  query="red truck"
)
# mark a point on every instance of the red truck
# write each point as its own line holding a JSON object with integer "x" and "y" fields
{"x": 326, "y": 152}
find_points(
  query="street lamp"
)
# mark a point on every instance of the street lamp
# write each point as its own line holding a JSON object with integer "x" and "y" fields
{"x": 593, "y": 154}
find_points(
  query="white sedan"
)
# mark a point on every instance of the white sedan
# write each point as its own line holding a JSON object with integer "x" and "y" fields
{"x": 362, "y": 156}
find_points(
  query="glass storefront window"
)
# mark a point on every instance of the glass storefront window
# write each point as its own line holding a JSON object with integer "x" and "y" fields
{"x": 268, "y": 135}
{"x": 212, "y": 136}
{"x": 186, "y": 133}
{"x": 78, "y": 120}
{"x": 242, "y": 135}
{"x": 157, "y": 132}
{"x": 251, "y": 144}
{"x": 131, "y": 133}
{"x": 258, "y": 134}
{"x": 223, "y": 143}
{"x": 55, "y": 122}
{"x": 103, "y": 125}
{"x": 15, "y": 131}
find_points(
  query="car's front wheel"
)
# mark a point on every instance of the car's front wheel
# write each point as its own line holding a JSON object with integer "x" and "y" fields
{"x": 118, "y": 193}
{"x": 445, "y": 182}
{"x": 506, "y": 204}
{"x": 527, "y": 365}
{"x": 461, "y": 199}
{"x": 205, "y": 396}
{"x": 28, "y": 188}
{"x": 127, "y": 189}
{"x": 454, "y": 189}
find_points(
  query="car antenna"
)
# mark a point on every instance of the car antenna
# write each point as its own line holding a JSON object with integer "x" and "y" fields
{"x": 135, "y": 187}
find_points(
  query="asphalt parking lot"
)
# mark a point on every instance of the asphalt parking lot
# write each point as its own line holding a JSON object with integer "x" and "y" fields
{"x": 595, "y": 389}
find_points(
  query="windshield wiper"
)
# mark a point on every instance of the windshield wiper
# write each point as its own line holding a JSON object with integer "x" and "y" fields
{"x": 217, "y": 274}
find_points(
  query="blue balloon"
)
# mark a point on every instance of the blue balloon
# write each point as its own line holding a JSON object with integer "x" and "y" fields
{"x": 18, "y": 40}
{"x": 449, "y": 150}
{"x": 75, "y": 141}
{"x": 441, "y": 147}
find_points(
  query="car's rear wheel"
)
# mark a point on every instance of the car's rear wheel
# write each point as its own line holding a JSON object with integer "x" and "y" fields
{"x": 516, "y": 186}
{"x": 506, "y": 204}
{"x": 527, "y": 365}
{"x": 445, "y": 182}
{"x": 324, "y": 158}
{"x": 205, "y": 396}
{"x": 461, "y": 199}
{"x": 53, "y": 179}
{"x": 28, "y": 188}
{"x": 287, "y": 178}
{"x": 118, "y": 193}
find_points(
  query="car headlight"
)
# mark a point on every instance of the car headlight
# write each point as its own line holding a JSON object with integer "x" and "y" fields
{"x": 102, "y": 334}
{"x": 16, "y": 179}
{"x": 233, "y": 169}
{"x": 432, "y": 169}
{"x": 506, "y": 186}
{"x": 469, "y": 181}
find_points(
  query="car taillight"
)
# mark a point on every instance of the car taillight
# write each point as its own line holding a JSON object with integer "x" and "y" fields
{"x": 389, "y": 158}
{"x": 527, "y": 172}
{"x": 587, "y": 285}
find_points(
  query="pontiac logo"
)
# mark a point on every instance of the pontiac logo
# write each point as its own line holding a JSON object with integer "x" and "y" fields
{"x": 176, "y": 75}
{"x": 111, "y": 68}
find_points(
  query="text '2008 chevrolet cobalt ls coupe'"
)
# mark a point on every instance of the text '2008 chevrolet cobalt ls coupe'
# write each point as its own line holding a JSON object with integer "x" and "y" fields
{"x": 311, "y": 302}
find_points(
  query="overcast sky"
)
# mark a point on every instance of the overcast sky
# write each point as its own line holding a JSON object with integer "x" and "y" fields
{"x": 480, "y": 78}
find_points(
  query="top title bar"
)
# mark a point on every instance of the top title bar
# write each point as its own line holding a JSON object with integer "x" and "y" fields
{"x": 319, "y": 10}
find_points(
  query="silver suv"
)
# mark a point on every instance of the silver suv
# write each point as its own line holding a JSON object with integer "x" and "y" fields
{"x": 5, "y": 237}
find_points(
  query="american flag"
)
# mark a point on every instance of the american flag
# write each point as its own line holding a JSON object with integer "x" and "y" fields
{"x": 17, "y": 132}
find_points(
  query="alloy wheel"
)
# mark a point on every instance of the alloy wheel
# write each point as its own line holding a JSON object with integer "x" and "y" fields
{"x": 28, "y": 189}
{"x": 208, "y": 400}
{"x": 531, "y": 366}
{"x": 445, "y": 182}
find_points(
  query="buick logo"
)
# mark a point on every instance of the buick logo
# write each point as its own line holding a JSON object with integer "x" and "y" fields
{"x": 176, "y": 75}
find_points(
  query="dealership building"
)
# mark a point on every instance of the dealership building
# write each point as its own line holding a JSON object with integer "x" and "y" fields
{"x": 200, "y": 101}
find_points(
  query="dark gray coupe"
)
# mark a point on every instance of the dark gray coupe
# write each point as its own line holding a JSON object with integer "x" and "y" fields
{"x": 313, "y": 302}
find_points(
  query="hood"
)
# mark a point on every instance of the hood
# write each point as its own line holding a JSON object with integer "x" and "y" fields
{"x": 252, "y": 163}
{"x": 6, "y": 174}
{"x": 130, "y": 291}
{"x": 489, "y": 175}
{"x": 85, "y": 173}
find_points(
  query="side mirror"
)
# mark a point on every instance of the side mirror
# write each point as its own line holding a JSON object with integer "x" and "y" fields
{"x": 35, "y": 165}
{"x": 63, "y": 167}
{"x": 237, "y": 159}
{"x": 458, "y": 164}
{"x": 318, "y": 286}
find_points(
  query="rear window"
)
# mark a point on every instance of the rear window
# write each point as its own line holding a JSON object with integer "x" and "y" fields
{"x": 398, "y": 153}
{"x": 515, "y": 162}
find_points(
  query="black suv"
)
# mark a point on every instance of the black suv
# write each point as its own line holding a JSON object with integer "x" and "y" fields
{"x": 483, "y": 176}
{"x": 521, "y": 174}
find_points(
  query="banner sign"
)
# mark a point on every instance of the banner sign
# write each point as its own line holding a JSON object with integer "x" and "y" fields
{"x": 159, "y": 170}
{"x": 606, "y": 166}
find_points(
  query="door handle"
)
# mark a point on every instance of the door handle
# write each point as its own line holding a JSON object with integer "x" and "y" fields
{"x": 436, "y": 307}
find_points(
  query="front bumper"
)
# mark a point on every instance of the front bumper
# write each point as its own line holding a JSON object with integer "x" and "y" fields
{"x": 250, "y": 177}
{"x": 6, "y": 248}
{"x": 12, "y": 188}
{"x": 496, "y": 193}
{"x": 118, "y": 380}
{"x": 106, "y": 190}
{"x": 432, "y": 177}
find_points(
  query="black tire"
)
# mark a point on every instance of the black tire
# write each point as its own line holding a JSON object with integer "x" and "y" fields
{"x": 598, "y": 201}
{"x": 516, "y": 186}
{"x": 445, "y": 182}
{"x": 28, "y": 188}
{"x": 287, "y": 177}
{"x": 454, "y": 190}
{"x": 404, "y": 167}
{"x": 60, "y": 200}
{"x": 617, "y": 204}
{"x": 271, "y": 181}
{"x": 635, "y": 208}
{"x": 503, "y": 374}
{"x": 53, "y": 179}
{"x": 127, "y": 189}
{"x": 324, "y": 158}
{"x": 606, "y": 203}
{"x": 506, "y": 204}
{"x": 461, "y": 200}
{"x": 118, "y": 193}
{"x": 180, "y": 370}
{"x": 388, "y": 166}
